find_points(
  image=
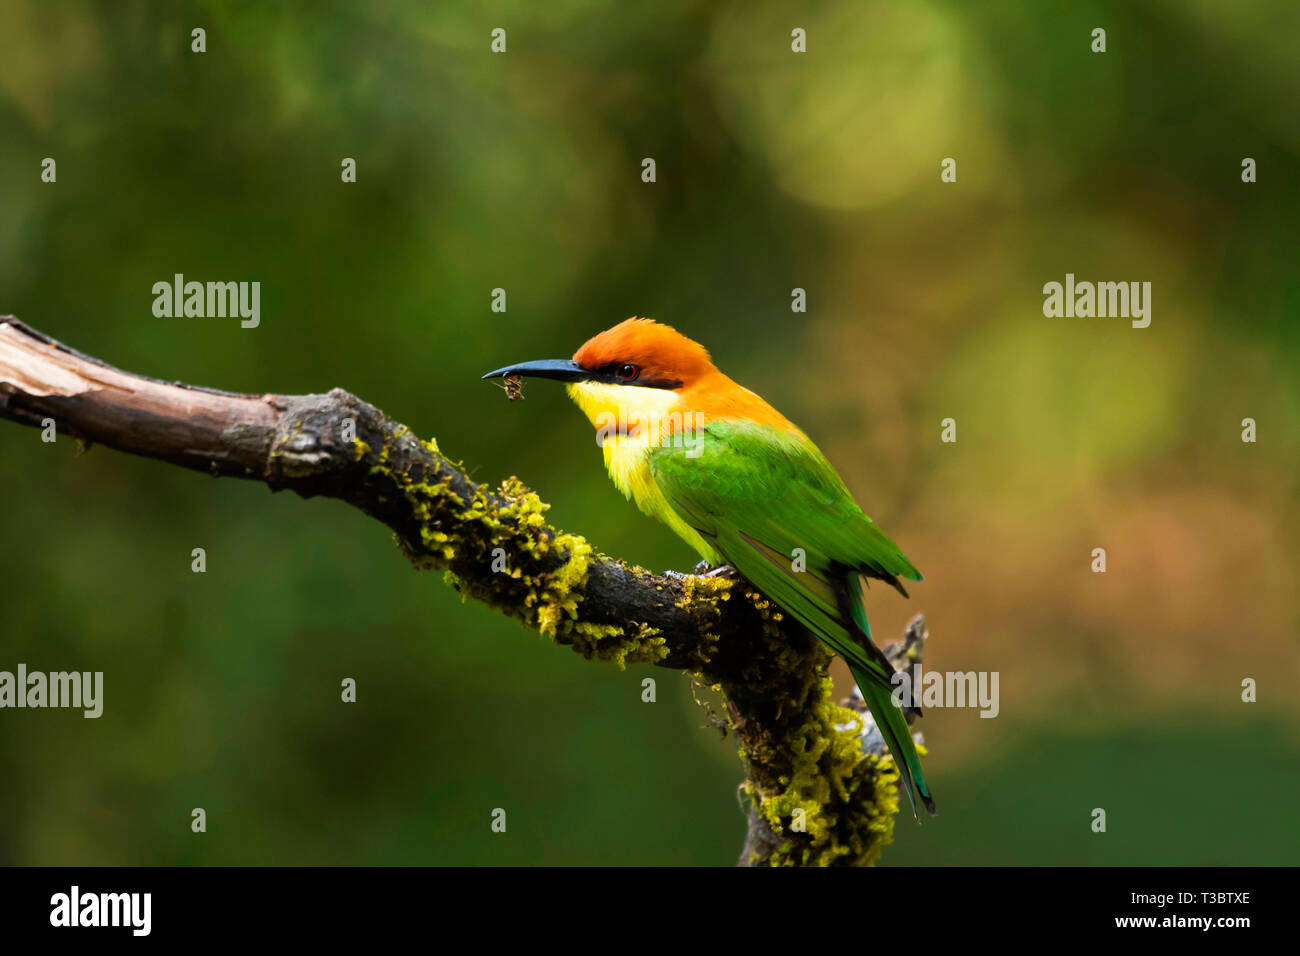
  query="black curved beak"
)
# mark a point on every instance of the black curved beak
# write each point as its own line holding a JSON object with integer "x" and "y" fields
{"x": 563, "y": 370}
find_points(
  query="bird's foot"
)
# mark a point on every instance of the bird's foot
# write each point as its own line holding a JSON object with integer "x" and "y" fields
{"x": 721, "y": 571}
{"x": 706, "y": 570}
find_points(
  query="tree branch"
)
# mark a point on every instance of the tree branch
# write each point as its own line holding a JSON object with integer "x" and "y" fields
{"x": 801, "y": 751}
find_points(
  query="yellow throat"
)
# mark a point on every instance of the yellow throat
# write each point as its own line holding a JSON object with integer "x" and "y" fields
{"x": 629, "y": 421}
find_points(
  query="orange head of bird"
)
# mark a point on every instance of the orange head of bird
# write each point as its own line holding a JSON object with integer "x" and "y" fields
{"x": 636, "y": 352}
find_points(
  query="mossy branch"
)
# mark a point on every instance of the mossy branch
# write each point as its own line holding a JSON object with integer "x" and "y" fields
{"x": 817, "y": 794}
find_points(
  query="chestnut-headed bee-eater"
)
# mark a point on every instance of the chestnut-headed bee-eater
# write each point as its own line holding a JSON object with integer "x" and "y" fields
{"x": 744, "y": 487}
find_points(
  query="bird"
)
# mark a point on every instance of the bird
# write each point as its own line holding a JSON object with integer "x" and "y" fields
{"x": 746, "y": 488}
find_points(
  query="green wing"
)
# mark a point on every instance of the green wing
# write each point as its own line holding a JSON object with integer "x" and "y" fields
{"x": 757, "y": 494}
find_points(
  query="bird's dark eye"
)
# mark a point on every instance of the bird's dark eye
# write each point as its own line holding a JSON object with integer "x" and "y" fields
{"x": 628, "y": 373}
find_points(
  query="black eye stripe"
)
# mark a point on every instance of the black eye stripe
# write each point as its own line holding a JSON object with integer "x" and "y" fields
{"x": 612, "y": 374}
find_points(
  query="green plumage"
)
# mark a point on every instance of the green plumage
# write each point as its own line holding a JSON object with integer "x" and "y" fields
{"x": 757, "y": 493}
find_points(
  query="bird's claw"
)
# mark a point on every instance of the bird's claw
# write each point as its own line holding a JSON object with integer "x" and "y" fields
{"x": 704, "y": 569}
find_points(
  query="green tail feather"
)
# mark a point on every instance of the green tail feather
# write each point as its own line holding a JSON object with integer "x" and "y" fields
{"x": 889, "y": 716}
{"x": 893, "y": 727}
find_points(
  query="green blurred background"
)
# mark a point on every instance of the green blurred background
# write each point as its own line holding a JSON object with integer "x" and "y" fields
{"x": 775, "y": 170}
